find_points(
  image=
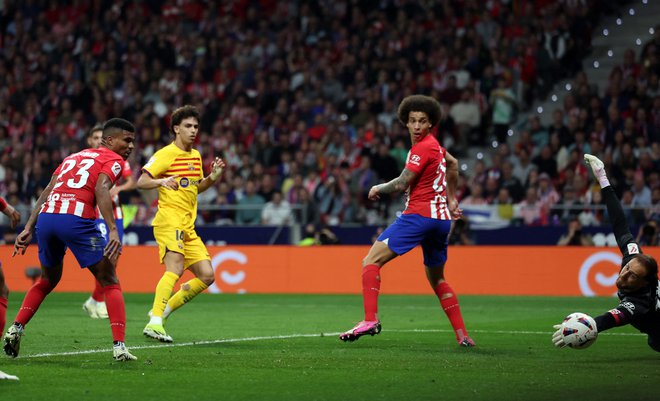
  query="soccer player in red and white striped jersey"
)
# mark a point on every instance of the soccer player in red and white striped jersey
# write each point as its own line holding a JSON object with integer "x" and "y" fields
{"x": 64, "y": 217}
{"x": 430, "y": 176}
{"x": 95, "y": 304}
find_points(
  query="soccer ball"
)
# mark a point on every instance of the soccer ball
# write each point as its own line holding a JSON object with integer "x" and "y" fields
{"x": 579, "y": 330}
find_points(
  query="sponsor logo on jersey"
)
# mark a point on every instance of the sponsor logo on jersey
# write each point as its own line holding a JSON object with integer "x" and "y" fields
{"x": 415, "y": 159}
{"x": 615, "y": 312}
{"x": 633, "y": 248}
{"x": 116, "y": 169}
{"x": 629, "y": 306}
{"x": 184, "y": 182}
{"x": 86, "y": 153}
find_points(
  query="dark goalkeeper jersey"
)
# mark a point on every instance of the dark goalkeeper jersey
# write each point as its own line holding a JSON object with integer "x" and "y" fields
{"x": 641, "y": 308}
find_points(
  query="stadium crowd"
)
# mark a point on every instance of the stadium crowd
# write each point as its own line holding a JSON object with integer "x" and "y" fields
{"x": 300, "y": 99}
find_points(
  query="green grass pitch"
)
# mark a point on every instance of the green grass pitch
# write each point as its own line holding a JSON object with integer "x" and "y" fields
{"x": 285, "y": 347}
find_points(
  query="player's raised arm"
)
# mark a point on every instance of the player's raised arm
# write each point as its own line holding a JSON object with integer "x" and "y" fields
{"x": 614, "y": 210}
{"x": 216, "y": 170}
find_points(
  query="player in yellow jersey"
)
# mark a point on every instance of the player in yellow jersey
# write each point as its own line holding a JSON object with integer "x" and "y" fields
{"x": 176, "y": 170}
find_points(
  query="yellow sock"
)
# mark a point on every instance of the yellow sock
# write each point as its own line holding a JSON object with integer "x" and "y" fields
{"x": 186, "y": 293}
{"x": 163, "y": 293}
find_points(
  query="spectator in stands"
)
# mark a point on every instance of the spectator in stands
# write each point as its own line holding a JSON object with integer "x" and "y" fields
{"x": 511, "y": 182}
{"x": 250, "y": 205}
{"x": 574, "y": 235}
{"x": 522, "y": 165}
{"x": 277, "y": 211}
{"x": 266, "y": 104}
{"x": 641, "y": 192}
{"x": 475, "y": 197}
{"x": 539, "y": 134}
{"x": 530, "y": 210}
{"x": 318, "y": 236}
{"x": 504, "y": 104}
{"x": 332, "y": 197}
{"x": 569, "y": 207}
{"x": 466, "y": 116}
{"x": 545, "y": 162}
{"x": 648, "y": 234}
{"x": 558, "y": 126}
{"x": 546, "y": 192}
{"x": 384, "y": 164}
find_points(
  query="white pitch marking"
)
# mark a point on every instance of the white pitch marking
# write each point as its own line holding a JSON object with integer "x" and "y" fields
{"x": 289, "y": 336}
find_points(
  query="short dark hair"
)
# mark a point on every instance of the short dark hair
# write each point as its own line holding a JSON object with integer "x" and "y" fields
{"x": 425, "y": 104}
{"x": 181, "y": 114}
{"x": 651, "y": 267}
{"x": 96, "y": 127}
{"x": 115, "y": 126}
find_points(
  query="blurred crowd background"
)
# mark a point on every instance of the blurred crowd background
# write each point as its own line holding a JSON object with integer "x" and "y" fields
{"x": 300, "y": 98}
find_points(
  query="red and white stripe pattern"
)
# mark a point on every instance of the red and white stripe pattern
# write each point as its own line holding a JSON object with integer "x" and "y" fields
{"x": 116, "y": 209}
{"x": 75, "y": 208}
{"x": 439, "y": 209}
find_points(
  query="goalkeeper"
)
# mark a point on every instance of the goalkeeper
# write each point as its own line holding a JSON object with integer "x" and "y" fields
{"x": 637, "y": 284}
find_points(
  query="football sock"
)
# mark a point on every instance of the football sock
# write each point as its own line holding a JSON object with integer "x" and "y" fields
{"x": 32, "y": 300}
{"x": 114, "y": 300}
{"x": 97, "y": 294}
{"x": 186, "y": 293}
{"x": 3, "y": 313}
{"x": 449, "y": 303}
{"x": 162, "y": 296}
{"x": 370, "y": 291}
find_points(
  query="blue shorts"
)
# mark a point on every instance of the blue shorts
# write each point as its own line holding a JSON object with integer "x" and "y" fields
{"x": 409, "y": 230}
{"x": 57, "y": 232}
{"x": 100, "y": 224}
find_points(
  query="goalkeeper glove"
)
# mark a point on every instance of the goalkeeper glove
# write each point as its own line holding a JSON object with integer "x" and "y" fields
{"x": 558, "y": 336}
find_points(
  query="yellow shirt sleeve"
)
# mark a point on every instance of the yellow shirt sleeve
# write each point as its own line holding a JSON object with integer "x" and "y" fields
{"x": 159, "y": 163}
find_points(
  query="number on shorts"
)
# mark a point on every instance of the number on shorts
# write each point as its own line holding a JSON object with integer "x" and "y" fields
{"x": 179, "y": 235}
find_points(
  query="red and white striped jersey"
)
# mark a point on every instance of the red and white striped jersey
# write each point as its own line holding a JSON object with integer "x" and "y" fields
{"x": 427, "y": 195}
{"x": 74, "y": 190}
{"x": 116, "y": 205}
